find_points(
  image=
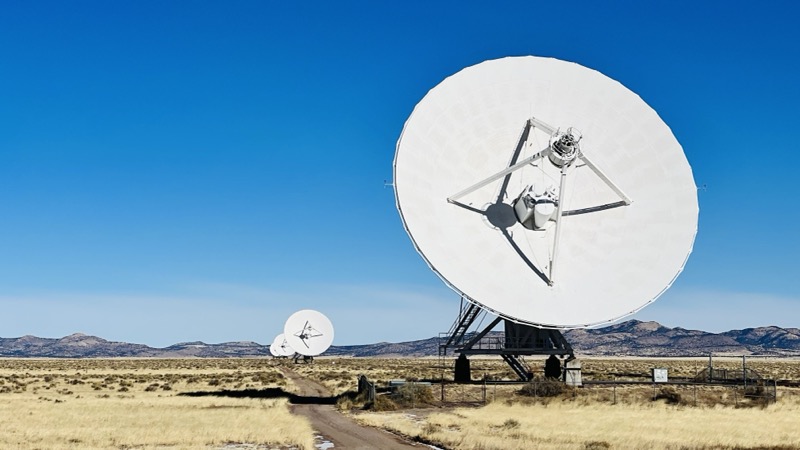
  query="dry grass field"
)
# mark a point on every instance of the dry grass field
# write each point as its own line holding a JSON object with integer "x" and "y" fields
{"x": 134, "y": 404}
{"x": 608, "y": 417}
{"x": 141, "y": 404}
{"x": 587, "y": 425}
{"x": 599, "y": 417}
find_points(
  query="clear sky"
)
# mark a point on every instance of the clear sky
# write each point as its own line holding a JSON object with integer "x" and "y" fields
{"x": 191, "y": 170}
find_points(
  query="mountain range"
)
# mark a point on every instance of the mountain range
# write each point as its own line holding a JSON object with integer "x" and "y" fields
{"x": 630, "y": 338}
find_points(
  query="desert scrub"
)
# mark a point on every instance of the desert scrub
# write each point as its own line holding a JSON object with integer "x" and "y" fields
{"x": 87, "y": 414}
{"x": 669, "y": 395}
{"x": 411, "y": 395}
{"x": 499, "y": 426}
{"x": 382, "y": 403}
{"x": 543, "y": 387}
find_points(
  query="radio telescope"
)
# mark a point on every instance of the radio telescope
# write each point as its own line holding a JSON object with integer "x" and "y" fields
{"x": 309, "y": 333}
{"x": 547, "y": 194}
{"x": 280, "y": 347}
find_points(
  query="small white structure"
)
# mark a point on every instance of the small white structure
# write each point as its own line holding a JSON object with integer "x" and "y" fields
{"x": 660, "y": 375}
{"x": 572, "y": 373}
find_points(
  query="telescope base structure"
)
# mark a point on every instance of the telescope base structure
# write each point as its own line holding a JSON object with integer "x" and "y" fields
{"x": 518, "y": 340}
{"x": 305, "y": 359}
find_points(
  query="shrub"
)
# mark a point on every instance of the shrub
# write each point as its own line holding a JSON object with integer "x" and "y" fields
{"x": 543, "y": 387}
{"x": 412, "y": 394}
{"x": 431, "y": 428}
{"x": 344, "y": 403}
{"x": 671, "y": 396}
{"x": 382, "y": 403}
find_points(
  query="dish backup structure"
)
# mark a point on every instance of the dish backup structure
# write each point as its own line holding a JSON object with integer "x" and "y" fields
{"x": 547, "y": 195}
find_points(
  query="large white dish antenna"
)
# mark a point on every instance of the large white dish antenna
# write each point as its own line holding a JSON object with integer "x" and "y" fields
{"x": 280, "y": 346}
{"x": 308, "y": 332}
{"x": 615, "y": 212}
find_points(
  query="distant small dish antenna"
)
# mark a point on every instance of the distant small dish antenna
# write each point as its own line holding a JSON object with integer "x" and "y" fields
{"x": 308, "y": 332}
{"x": 280, "y": 347}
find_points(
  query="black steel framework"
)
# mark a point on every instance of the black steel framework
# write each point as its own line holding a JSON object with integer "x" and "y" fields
{"x": 517, "y": 340}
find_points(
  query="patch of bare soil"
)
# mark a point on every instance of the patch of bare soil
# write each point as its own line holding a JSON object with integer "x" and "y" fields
{"x": 337, "y": 428}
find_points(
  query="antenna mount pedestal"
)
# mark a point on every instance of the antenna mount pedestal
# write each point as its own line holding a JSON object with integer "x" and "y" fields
{"x": 518, "y": 340}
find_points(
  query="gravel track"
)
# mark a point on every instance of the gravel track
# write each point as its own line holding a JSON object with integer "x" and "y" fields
{"x": 338, "y": 429}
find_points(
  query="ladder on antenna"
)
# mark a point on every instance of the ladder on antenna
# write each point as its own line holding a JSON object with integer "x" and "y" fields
{"x": 459, "y": 329}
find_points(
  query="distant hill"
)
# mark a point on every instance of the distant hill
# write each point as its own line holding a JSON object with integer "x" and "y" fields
{"x": 79, "y": 345}
{"x": 631, "y": 338}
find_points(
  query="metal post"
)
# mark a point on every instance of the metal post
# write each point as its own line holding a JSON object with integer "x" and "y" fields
{"x": 615, "y": 391}
{"x": 710, "y": 368}
{"x": 744, "y": 373}
{"x": 775, "y": 391}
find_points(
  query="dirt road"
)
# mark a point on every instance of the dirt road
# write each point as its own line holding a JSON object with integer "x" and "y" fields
{"x": 337, "y": 428}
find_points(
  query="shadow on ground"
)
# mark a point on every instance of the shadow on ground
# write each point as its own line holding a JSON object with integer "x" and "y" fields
{"x": 266, "y": 393}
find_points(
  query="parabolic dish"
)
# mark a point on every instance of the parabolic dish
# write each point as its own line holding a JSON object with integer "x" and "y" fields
{"x": 618, "y": 236}
{"x": 308, "y": 332}
{"x": 281, "y": 346}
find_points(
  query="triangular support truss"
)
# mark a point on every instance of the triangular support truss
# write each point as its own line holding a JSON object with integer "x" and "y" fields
{"x": 517, "y": 340}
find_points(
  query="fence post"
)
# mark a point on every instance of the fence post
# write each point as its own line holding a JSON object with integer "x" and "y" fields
{"x": 615, "y": 391}
{"x": 744, "y": 373}
{"x": 775, "y": 391}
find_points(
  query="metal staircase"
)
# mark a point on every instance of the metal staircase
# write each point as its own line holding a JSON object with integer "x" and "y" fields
{"x": 518, "y": 366}
{"x": 465, "y": 319}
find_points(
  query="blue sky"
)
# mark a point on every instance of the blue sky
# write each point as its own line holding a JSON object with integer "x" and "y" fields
{"x": 174, "y": 171}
